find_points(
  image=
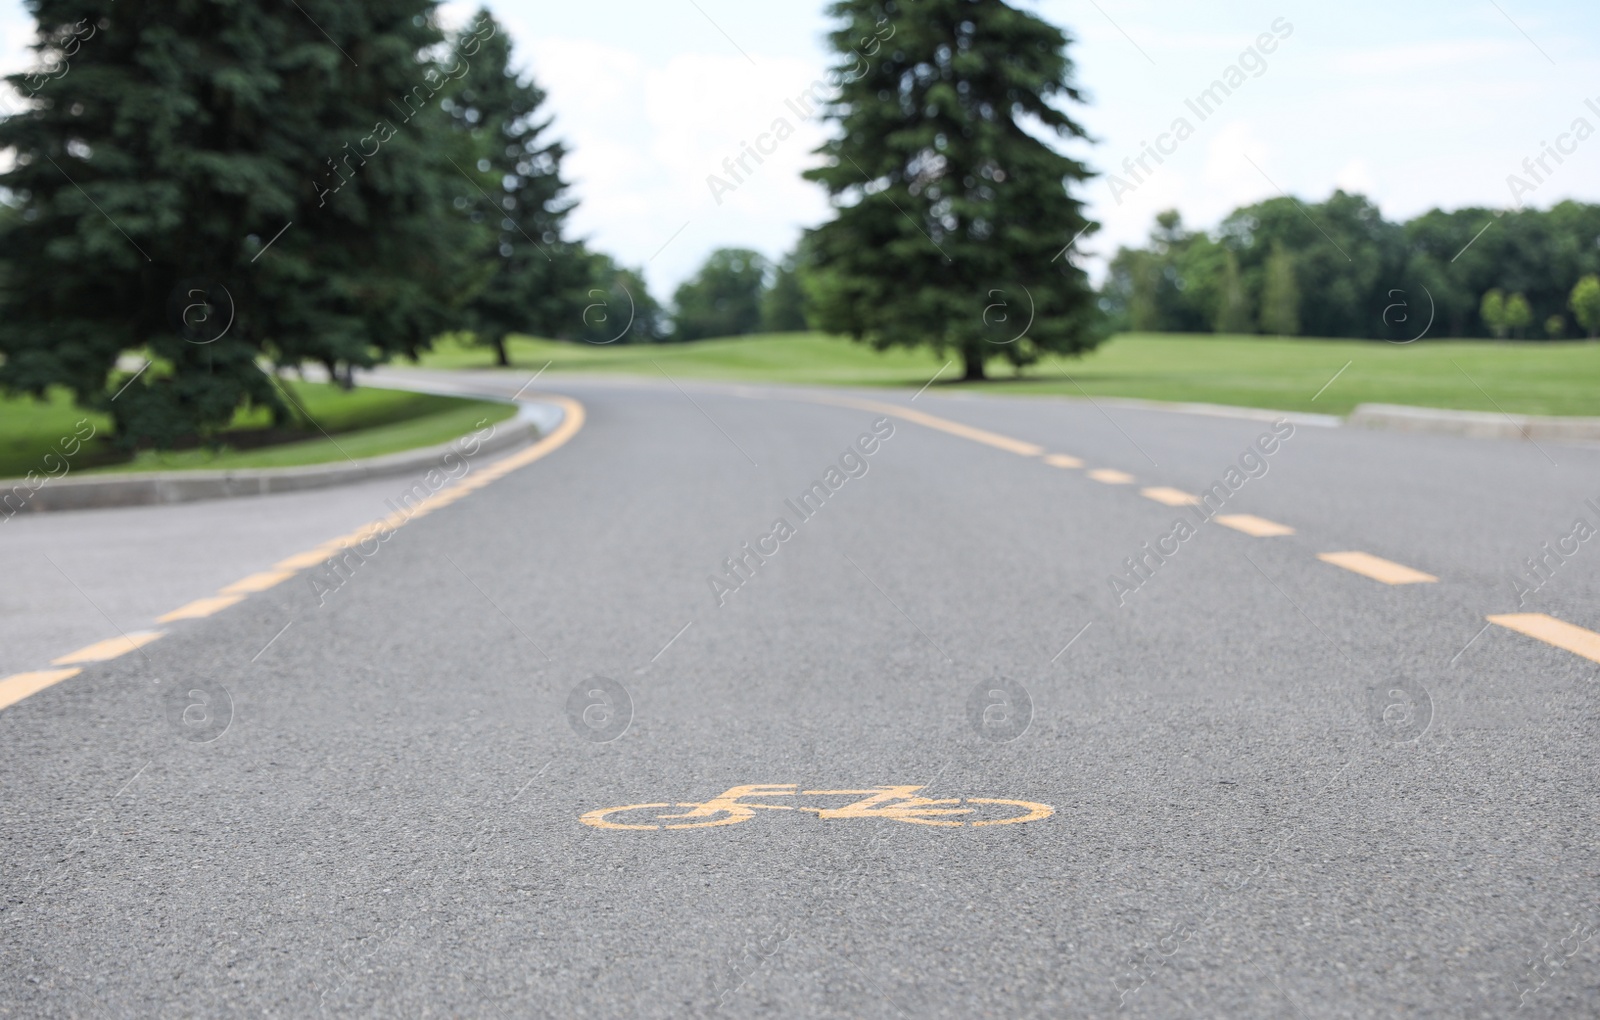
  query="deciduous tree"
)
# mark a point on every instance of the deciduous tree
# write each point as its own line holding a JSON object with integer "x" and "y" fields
{"x": 1493, "y": 312}
{"x": 723, "y": 298}
{"x": 1280, "y": 294}
{"x": 1585, "y": 304}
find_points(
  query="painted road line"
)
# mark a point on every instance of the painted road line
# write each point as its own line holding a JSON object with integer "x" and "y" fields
{"x": 110, "y": 648}
{"x": 954, "y": 428}
{"x": 1171, "y": 497}
{"x": 309, "y": 558}
{"x": 1377, "y": 568}
{"x": 20, "y": 685}
{"x": 572, "y": 421}
{"x": 1250, "y": 524}
{"x": 1111, "y": 476}
{"x": 201, "y": 608}
{"x": 258, "y": 582}
{"x": 1566, "y": 636}
{"x": 1061, "y": 460}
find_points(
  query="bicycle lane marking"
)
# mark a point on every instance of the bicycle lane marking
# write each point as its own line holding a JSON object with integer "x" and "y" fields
{"x": 896, "y": 803}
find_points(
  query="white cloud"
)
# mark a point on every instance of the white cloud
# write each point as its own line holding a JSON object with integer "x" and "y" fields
{"x": 1356, "y": 177}
{"x": 646, "y": 137}
{"x": 1434, "y": 108}
{"x": 1240, "y": 169}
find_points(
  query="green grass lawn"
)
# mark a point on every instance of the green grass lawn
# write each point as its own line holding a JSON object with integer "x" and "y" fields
{"x": 363, "y": 423}
{"x": 1526, "y": 378}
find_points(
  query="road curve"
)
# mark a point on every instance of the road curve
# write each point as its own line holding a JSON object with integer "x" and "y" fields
{"x": 933, "y": 708}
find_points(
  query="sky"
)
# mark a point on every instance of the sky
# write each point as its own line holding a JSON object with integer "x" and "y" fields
{"x": 1430, "y": 103}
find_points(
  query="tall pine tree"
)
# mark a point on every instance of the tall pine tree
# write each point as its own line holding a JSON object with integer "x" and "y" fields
{"x": 539, "y": 280}
{"x": 952, "y": 219}
{"x": 215, "y": 183}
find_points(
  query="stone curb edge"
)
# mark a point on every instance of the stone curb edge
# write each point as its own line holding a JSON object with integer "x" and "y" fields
{"x": 532, "y": 420}
{"x": 1473, "y": 424}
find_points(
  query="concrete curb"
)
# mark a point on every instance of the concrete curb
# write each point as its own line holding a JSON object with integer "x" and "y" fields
{"x": 157, "y": 487}
{"x": 1307, "y": 418}
{"x": 1473, "y": 424}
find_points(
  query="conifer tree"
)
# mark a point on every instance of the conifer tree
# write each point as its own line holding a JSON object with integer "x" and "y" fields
{"x": 539, "y": 280}
{"x": 783, "y": 305}
{"x": 953, "y": 222}
{"x": 219, "y": 183}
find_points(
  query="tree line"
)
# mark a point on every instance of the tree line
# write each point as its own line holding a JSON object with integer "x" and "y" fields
{"x": 228, "y": 190}
{"x": 231, "y": 188}
{"x": 1339, "y": 269}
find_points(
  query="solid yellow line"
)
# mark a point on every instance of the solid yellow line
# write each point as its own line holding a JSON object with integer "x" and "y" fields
{"x": 1171, "y": 497}
{"x": 200, "y": 608}
{"x": 1250, "y": 524}
{"x": 110, "y": 648}
{"x": 14, "y": 688}
{"x": 954, "y": 428}
{"x": 20, "y": 685}
{"x": 258, "y": 582}
{"x": 1061, "y": 460}
{"x": 1111, "y": 476}
{"x": 309, "y": 558}
{"x": 1566, "y": 636}
{"x": 571, "y": 421}
{"x": 1377, "y": 568}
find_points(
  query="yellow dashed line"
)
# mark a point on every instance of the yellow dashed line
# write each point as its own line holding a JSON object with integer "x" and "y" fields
{"x": 1250, "y": 524}
{"x": 200, "y": 608}
{"x": 258, "y": 582}
{"x": 20, "y": 685}
{"x": 1566, "y": 636}
{"x": 955, "y": 428}
{"x": 1365, "y": 564}
{"x": 1171, "y": 497}
{"x": 110, "y": 648}
{"x": 1377, "y": 568}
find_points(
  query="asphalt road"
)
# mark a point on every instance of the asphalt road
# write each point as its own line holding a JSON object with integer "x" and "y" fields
{"x": 366, "y": 796}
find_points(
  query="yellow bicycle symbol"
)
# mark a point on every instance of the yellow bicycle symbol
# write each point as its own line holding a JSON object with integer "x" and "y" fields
{"x": 896, "y": 803}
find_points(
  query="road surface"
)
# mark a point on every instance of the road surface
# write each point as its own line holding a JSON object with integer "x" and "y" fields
{"x": 1241, "y": 781}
